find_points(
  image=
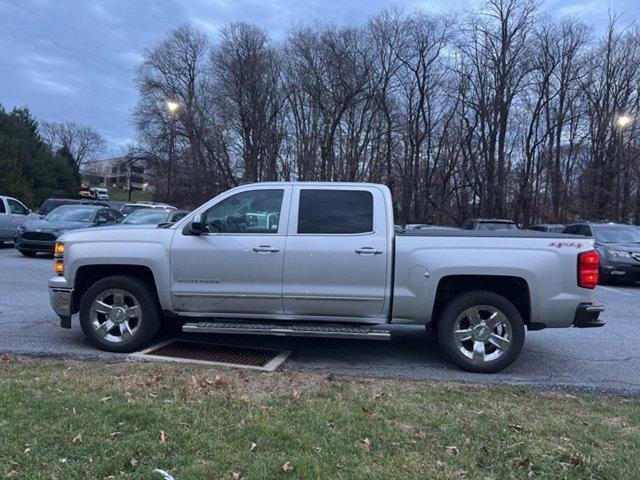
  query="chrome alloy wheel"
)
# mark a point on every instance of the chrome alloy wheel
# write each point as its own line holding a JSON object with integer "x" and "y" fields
{"x": 115, "y": 315}
{"x": 482, "y": 333}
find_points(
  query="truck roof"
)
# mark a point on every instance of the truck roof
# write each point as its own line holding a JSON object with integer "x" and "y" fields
{"x": 319, "y": 184}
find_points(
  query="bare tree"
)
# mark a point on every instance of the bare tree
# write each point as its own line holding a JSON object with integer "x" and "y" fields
{"x": 82, "y": 141}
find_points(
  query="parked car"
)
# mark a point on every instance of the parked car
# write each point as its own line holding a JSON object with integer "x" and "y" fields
{"x": 13, "y": 213}
{"x": 547, "y": 227}
{"x": 322, "y": 259}
{"x": 618, "y": 245}
{"x": 490, "y": 224}
{"x": 130, "y": 207}
{"x": 99, "y": 193}
{"x": 153, "y": 216}
{"x": 51, "y": 204}
{"x": 40, "y": 235}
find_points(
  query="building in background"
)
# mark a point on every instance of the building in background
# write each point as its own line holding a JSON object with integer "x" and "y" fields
{"x": 127, "y": 173}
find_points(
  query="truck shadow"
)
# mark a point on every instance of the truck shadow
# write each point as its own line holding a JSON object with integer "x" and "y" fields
{"x": 408, "y": 346}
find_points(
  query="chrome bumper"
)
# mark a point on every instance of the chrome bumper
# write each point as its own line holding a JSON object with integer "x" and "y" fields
{"x": 60, "y": 297}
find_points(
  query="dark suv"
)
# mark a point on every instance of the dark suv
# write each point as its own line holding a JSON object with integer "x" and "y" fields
{"x": 618, "y": 245}
{"x": 490, "y": 224}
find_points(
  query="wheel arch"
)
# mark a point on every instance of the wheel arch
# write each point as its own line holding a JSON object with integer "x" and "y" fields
{"x": 88, "y": 275}
{"x": 513, "y": 288}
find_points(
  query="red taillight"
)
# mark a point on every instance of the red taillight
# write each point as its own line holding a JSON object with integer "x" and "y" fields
{"x": 588, "y": 263}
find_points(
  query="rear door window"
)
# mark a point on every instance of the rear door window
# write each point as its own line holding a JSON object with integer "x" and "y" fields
{"x": 2, "y": 208}
{"x": 335, "y": 211}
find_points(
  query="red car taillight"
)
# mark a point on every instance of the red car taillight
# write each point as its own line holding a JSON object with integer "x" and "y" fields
{"x": 588, "y": 263}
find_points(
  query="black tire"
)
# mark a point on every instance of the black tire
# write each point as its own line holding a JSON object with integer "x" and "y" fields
{"x": 28, "y": 253}
{"x": 150, "y": 313}
{"x": 464, "y": 301}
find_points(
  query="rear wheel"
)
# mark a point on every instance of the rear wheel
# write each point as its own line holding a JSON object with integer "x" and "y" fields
{"x": 28, "y": 253}
{"x": 119, "y": 314}
{"x": 481, "y": 331}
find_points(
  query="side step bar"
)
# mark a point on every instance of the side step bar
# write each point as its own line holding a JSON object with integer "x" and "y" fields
{"x": 288, "y": 330}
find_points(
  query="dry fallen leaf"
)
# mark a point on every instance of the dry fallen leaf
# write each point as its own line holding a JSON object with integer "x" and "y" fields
{"x": 77, "y": 439}
{"x": 287, "y": 467}
{"x": 218, "y": 381}
{"x": 440, "y": 465}
{"x": 163, "y": 437}
{"x": 133, "y": 462}
{"x": 376, "y": 395}
{"x": 341, "y": 396}
{"x": 452, "y": 450}
{"x": 295, "y": 394}
{"x": 253, "y": 446}
{"x": 238, "y": 476}
{"x": 366, "y": 445}
{"x": 517, "y": 427}
{"x": 524, "y": 463}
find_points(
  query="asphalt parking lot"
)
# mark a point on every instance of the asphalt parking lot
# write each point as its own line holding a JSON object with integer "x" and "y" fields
{"x": 604, "y": 359}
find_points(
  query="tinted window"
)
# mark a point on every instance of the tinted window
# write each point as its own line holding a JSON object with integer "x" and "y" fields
{"x": 572, "y": 229}
{"x": 497, "y": 226}
{"x": 585, "y": 230}
{"x": 335, "y": 211}
{"x": 253, "y": 211}
{"x": 537, "y": 228}
{"x": 2, "y": 209}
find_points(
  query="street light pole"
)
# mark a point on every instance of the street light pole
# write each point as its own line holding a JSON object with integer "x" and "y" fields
{"x": 173, "y": 107}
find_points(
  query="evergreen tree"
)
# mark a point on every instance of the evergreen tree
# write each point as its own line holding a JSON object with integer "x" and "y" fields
{"x": 29, "y": 170}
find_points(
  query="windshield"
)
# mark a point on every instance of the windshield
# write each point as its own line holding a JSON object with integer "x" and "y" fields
{"x": 72, "y": 213}
{"x": 130, "y": 208}
{"x": 148, "y": 216}
{"x": 497, "y": 226}
{"x": 617, "y": 234}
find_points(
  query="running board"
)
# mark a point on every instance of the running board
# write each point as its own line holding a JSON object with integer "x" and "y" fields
{"x": 288, "y": 330}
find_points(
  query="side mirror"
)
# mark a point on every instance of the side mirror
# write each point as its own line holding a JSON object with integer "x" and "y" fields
{"x": 195, "y": 226}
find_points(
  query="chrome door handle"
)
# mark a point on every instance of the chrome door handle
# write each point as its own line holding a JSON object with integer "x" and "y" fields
{"x": 266, "y": 249}
{"x": 368, "y": 251}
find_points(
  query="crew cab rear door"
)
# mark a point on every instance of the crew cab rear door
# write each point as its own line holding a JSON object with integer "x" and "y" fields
{"x": 337, "y": 251}
{"x": 235, "y": 267}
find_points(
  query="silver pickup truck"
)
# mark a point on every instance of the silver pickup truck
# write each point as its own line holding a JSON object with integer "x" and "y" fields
{"x": 323, "y": 260}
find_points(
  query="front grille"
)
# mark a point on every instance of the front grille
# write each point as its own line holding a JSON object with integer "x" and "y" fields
{"x": 42, "y": 236}
{"x": 232, "y": 355}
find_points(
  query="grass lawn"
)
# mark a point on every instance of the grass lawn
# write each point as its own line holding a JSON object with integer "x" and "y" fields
{"x": 73, "y": 420}
{"x": 118, "y": 195}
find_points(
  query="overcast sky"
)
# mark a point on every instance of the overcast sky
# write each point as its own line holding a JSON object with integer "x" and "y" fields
{"x": 75, "y": 60}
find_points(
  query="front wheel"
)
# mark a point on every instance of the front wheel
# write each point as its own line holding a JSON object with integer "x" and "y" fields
{"x": 119, "y": 314}
{"x": 481, "y": 331}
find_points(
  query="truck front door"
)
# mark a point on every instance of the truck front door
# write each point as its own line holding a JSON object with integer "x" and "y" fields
{"x": 236, "y": 265}
{"x": 337, "y": 252}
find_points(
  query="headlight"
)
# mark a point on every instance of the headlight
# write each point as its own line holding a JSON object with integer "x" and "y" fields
{"x": 617, "y": 253}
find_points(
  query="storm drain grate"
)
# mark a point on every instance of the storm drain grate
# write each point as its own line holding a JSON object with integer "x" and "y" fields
{"x": 215, "y": 354}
